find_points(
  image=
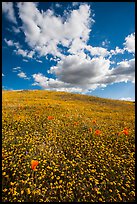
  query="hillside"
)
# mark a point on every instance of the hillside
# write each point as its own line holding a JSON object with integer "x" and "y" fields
{"x": 85, "y": 147}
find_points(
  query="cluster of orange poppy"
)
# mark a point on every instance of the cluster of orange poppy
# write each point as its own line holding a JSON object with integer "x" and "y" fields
{"x": 125, "y": 131}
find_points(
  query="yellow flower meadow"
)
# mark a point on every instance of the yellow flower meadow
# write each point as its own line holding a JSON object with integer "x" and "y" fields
{"x": 82, "y": 152}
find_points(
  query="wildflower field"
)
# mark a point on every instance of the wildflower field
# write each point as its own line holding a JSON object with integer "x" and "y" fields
{"x": 59, "y": 146}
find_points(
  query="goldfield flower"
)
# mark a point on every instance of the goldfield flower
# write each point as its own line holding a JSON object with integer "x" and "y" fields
{"x": 73, "y": 160}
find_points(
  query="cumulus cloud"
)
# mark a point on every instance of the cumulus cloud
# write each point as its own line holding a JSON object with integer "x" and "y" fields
{"x": 98, "y": 51}
{"x": 8, "y": 10}
{"x": 125, "y": 71}
{"x": 12, "y": 43}
{"x": 9, "y": 42}
{"x": 81, "y": 71}
{"x": 21, "y": 52}
{"x": 45, "y": 31}
{"x": 53, "y": 84}
{"x": 25, "y": 53}
{"x": 85, "y": 75}
{"x": 79, "y": 66}
{"x": 116, "y": 51}
{"x": 74, "y": 74}
{"x": 130, "y": 43}
{"x": 22, "y": 75}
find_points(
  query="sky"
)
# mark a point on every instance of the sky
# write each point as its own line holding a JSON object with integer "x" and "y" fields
{"x": 78, "y": 47}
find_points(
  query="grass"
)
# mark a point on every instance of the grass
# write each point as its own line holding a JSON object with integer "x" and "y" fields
{"x": 85, "y": 147}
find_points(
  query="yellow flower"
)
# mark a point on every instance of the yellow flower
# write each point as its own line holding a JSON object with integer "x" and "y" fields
{"x": 5, "y": 190}
{"x": 127, "y": 185}
{"x": 15, "y": 192}
{"x": 60, "y": 181}
{"x": 28, "y": 190}
{"x": 12, "y": 183}
{"x": 58, "y": 177}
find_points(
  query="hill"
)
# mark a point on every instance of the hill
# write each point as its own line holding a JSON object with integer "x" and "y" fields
{"x": 85, "y": 147}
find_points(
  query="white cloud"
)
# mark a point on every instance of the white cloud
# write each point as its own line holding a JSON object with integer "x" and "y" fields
{"x": 25, "y": 60}
{"x": 12, "y": 43}
{"x": 75, "y": 73}
{"x": 16, "y": 30}
{"x": 58, "y": 5}
{"x": 3, "y": 74}
{"x": 130, "y": 43}
{"x": 84, "y": 67}
{"x": 25, "y": 53}
{"x": 105, "y": 43}
{"x": 86, "y": 74}
{"x": 75, "y": 3}
{"x": 116, "y": 51}
{"x": 22, "y": 75}
{"x": 53, "y": 84}
{"x": 126, "y": 99}
{"x": 44, "y": 31}
{"x": 16, "y": 68}
{"x": 9, "y": 42}
{"x": 21, "y": 52}
{"x": 81, "y": 71}
{"x": 8, "y": 10}
{"x": 99, "y": 51}
{"x": 125, "y": 71}
{"x": 39, "y": 61}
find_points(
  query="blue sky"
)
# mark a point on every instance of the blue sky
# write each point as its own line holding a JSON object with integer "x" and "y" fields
{"x": 86, "y": 48}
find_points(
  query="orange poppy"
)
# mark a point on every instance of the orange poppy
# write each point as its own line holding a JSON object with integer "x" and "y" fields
{"x": 97, "y": 132}
{"x": 90, "y": 129}
{"x": 125, "y": 132}
{"x": 34, "y": 164}
{"x": 50, "y": 117}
